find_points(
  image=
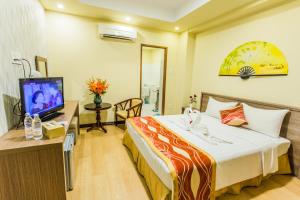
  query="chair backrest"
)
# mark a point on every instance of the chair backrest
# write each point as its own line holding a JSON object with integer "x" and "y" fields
{"x": 136, "y": 101}
{"x": 136, "y": 112}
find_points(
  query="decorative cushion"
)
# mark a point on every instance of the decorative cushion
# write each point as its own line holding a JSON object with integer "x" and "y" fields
{"x": 233, "y": 116}
{"x": 122, "y": 113}
{"x": 264, "y": 121}
{"x": 214, "y": 107}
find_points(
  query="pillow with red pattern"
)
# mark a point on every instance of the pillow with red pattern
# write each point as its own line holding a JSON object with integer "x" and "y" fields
{"x": 234, "y": 116}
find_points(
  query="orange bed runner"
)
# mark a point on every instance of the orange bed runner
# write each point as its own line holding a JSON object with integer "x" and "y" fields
{"x": 192, "y": 169}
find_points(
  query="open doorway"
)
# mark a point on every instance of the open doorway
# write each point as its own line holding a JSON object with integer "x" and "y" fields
{"x": 153, "y": 79}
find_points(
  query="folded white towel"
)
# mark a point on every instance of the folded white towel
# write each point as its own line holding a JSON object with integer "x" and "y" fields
{"x": 191, "y": 118}
{"x": 196, "y": 119}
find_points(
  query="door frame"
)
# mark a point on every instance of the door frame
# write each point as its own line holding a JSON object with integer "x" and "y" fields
{"x": 164, "y": 71}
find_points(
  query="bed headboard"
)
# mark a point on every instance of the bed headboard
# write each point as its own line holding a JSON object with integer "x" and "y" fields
{"x": 290, "y": 127}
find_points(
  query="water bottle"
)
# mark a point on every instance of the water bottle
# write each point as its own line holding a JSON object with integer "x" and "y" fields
{"x": 28, "y": 126}
{"x": 37, "y": 127}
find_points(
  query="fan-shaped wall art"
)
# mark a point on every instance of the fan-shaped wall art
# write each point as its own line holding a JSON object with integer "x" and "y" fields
{"x": 257, "y": 58}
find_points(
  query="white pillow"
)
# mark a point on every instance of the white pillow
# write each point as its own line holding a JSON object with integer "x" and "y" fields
{"x": 214, "y": 107}
{"x": 264, "y": 121}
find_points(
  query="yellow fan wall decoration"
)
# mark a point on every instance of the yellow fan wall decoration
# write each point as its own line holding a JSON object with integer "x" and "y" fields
{"x": 256, "y": 58}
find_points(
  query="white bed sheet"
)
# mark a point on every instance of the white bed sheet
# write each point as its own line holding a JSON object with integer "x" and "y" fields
{"x": 235, "y": 162}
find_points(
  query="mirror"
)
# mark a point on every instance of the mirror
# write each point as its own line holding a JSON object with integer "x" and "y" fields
{"x": 153, "y": 78}
{"x": 41, "y": 65}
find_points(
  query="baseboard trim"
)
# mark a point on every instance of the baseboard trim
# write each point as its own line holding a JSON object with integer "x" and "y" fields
{"x": 103, "y": 123}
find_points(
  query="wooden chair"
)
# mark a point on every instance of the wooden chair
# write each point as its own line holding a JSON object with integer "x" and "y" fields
{"x": 128, "y": 108}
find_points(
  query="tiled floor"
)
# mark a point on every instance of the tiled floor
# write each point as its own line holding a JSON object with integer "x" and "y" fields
{"x": 148, "y": 110}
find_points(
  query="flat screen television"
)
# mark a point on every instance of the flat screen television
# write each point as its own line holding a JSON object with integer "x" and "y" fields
{"x": 43, "y": 96}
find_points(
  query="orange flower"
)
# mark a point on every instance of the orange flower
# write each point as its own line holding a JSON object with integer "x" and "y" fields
{"x": 97, "y": 86}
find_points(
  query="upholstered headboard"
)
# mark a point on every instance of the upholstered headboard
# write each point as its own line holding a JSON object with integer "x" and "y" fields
{"x": 290, "y": 127}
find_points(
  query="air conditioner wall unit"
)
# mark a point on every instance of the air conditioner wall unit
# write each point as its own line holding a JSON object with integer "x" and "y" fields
{"x": 117, "y": 32}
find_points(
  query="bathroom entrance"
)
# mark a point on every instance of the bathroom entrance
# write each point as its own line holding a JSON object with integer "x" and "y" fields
{"x": 153, "y": 79}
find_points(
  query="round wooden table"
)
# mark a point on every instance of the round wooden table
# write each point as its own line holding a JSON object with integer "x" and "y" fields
{"x": 98, "y": 125}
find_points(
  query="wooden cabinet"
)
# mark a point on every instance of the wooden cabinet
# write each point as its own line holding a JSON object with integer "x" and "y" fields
{"x": 34, "y": 170}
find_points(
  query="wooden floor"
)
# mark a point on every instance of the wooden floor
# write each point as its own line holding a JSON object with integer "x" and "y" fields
{"x": 104, "y": 170}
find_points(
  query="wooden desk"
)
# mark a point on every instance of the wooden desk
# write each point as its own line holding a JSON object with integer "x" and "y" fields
{"x": 34, "y": 169}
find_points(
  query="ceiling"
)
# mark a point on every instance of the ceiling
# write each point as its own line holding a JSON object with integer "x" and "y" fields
{"x": 192, "y": 15}
{"x": 165, "y": 10}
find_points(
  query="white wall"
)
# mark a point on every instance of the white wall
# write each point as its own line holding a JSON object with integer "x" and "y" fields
{"x": 152, "y": 65}
{"x": 152, "y": 73}
{"x": 22, "y": 24}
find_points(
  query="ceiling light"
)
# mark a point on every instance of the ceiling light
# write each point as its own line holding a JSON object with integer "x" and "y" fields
{"x": 128, "y": 19}
{"x": 176, "y": 28}
{"x": 60, "y": 6}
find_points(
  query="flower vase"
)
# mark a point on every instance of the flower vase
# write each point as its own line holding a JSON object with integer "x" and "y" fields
{"x": 97, "y": 100}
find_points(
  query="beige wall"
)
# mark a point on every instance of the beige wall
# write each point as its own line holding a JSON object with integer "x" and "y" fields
{"x": 22, "y": 25}
{"x": 279, "y": 26}
{"x": 185, "y": 60}
{"x": 77, "y": 53}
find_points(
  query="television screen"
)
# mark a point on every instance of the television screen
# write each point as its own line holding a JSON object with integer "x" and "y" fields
{"x": 41, "y": 95}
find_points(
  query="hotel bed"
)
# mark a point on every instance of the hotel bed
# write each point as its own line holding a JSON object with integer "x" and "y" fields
{"x": 242, "y": 156}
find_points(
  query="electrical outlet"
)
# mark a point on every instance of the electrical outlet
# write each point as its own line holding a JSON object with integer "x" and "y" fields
{"x": 15, "y": 55}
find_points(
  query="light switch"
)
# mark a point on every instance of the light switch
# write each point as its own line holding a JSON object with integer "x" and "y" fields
{"x": 15, "y": 55}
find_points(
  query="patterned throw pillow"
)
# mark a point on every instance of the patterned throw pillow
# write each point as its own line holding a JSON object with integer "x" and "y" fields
{"x": 233, "y": 116}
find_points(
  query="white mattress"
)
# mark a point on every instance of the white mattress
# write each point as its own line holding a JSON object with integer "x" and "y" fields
{"x": 236, "y": 162}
